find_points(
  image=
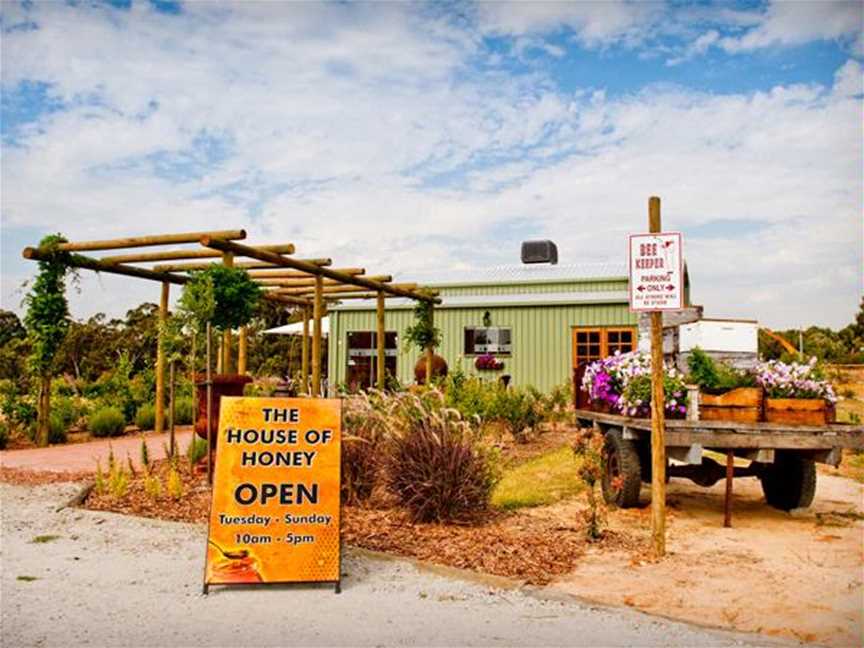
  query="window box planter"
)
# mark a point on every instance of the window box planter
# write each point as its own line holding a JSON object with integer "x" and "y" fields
{"x": 488, "y": 362}
{"x": 797, "y": 411}
{"x": 742, "y": 405}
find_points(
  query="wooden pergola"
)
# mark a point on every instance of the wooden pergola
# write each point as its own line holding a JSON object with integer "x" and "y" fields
{"x": 306, "y": 284}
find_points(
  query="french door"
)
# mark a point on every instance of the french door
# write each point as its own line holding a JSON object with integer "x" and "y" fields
{"x": 590, "y": 344}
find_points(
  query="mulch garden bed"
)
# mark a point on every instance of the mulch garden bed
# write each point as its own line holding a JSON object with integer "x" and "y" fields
{"x": 517, "y": 545}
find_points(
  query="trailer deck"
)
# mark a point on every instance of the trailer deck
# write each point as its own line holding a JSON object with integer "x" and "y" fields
{"x": 783, "y": 457}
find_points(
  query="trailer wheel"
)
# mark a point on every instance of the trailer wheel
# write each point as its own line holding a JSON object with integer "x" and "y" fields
{"x": 622, "y": 477}
{"x": 790, "y": 482}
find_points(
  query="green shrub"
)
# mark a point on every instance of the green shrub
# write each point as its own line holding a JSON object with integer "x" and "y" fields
{"x": 435, "y": 467}
{"x": 145, "y": 417}
{"x": 196, "y": 450}
{"x": 107, "y": 422}
{"x": 473, "y": 397}
{"x": 56, "y": 429}
{"x": 519, "y": 409}
{"x": 713, "y": 376}
{"x": 19, "y": 408}
{"x": 4, "y": 435}
{"x": 184, "y": 414}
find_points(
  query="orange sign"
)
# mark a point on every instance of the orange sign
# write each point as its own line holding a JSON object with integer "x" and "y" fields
{"x": 274, "y": 516}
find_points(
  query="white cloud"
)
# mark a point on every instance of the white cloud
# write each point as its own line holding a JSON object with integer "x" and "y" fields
{"x": 347, "y": 127}
{"x": 594, "y": 23}
{"x": 796, "y": 23}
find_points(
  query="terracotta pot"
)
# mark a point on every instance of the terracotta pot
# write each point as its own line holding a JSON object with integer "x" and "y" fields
{"x": 439, "y": 368}
{"x": 796, "y": 411}
{"x": 743, "y": 405}
{"x": 223, "y": 385}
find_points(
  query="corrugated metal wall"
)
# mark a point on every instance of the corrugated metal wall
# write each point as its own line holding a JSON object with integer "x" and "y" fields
{"x": 541, "y": 335}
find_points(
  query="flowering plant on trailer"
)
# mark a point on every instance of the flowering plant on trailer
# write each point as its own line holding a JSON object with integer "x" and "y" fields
{"x": 623, "y": 382}
{"x": 794, "y": 380}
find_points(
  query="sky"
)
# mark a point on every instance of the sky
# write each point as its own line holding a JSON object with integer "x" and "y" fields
{"x": 421, "y": 136}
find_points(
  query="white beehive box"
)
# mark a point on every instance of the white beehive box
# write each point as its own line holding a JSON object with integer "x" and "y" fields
{"x": 720, "y": 335}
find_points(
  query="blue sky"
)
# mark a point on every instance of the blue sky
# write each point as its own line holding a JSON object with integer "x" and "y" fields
{"x": 426, "y": 135}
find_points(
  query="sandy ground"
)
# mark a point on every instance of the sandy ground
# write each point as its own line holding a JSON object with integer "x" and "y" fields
{"x": 796, "y": 575}
{"x": 112, "y": 580}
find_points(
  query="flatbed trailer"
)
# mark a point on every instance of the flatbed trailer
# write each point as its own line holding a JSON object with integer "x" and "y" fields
{"x": 782, "y": 457}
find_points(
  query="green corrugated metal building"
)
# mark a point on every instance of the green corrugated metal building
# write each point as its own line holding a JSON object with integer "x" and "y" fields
{"x": 541, "y": 321}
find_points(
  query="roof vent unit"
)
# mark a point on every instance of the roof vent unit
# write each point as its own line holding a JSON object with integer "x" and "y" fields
{"x": 539, "y": 252}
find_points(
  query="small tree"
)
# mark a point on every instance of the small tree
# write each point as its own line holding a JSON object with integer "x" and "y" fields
{"x": 225, "y": 297}
{"x": 47, "y": 321}
{"x": 422, "y": 333}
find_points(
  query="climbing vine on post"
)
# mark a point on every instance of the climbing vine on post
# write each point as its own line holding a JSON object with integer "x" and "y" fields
{"x": 47, "y": 322}
{"x": 423, "y": 334}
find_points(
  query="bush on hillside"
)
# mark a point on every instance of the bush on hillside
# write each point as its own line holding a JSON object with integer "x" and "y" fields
{"x": 107, "y": 422}
{"x": 145, "y": 417}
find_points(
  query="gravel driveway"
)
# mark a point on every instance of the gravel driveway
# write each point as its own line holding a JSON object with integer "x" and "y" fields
{"x": 112, "y": 580}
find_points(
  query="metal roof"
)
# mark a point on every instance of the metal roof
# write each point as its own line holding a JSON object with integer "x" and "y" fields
{"x": 519, "y": 274}
{"x": 483, "y": 301}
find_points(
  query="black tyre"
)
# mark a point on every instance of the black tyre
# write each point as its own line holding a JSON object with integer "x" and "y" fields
{"x": 622, "y": 474}
{"x": 790, "y": 482}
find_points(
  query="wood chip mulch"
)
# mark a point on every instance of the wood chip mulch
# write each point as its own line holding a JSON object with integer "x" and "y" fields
{"x": 520, "y": 546}
{"x": 524, "y": 546}
{"x": 29, "y": 477}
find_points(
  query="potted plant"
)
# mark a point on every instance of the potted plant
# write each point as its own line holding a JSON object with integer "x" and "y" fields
{"x": 488, "y": 362}
{"x": 796, "y": 393}
{"x": 226, "y": 298}
{"x": 725, "y": 393}
{"x": 424, "y": 335}
{"x": 621, "y": 384}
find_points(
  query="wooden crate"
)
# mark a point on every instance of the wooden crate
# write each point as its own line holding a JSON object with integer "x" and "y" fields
{"x": 742, "y": 405}
{"x": 796, "y": 411}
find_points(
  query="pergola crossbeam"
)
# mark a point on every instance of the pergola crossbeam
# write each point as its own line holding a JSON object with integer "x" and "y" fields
{"x": 262, "y": 255}
{"x": 89, "y": 263}
{"x": 148, "y": 241}
{"x": 246, "y": 265}
{"x": 178, "y": 255}
{"x": 310, "y": 282}
{"x": 329, "y": 290}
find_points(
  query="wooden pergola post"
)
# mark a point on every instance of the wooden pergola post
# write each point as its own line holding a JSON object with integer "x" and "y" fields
{"x": 429, "y": 349}
{"x": 380, "y": 338}
{"x": 304, "y": 351}
{"x": 228, "y": 262}
{"x": 316, "y": 338}
{"x": 241, "y": 351}
{"x": 160, "y": 359}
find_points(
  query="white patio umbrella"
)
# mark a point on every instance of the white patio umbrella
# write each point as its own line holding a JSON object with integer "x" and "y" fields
{"x": 297, "y": 328}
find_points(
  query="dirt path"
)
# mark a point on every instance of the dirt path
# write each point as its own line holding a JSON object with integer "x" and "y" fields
{"x": 795, "y": 575}
{"x": 82, "y": 457}
{"x": 112, "y": 580}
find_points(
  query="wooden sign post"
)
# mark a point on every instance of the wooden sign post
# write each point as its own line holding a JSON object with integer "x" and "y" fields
{"x": 274, "y": 516}
{"x": 658, "y": 413}
{"x": 656, "y": 284}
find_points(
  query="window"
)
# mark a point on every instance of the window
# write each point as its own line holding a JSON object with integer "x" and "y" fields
{"x": 590, "y": 344}
{"x": 363, "y": 358}
{"x": 596, "y": 343}
{"x": 489, "y": 339}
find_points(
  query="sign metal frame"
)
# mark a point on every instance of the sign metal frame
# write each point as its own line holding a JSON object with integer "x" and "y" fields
{"x": 337, "y": 583}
